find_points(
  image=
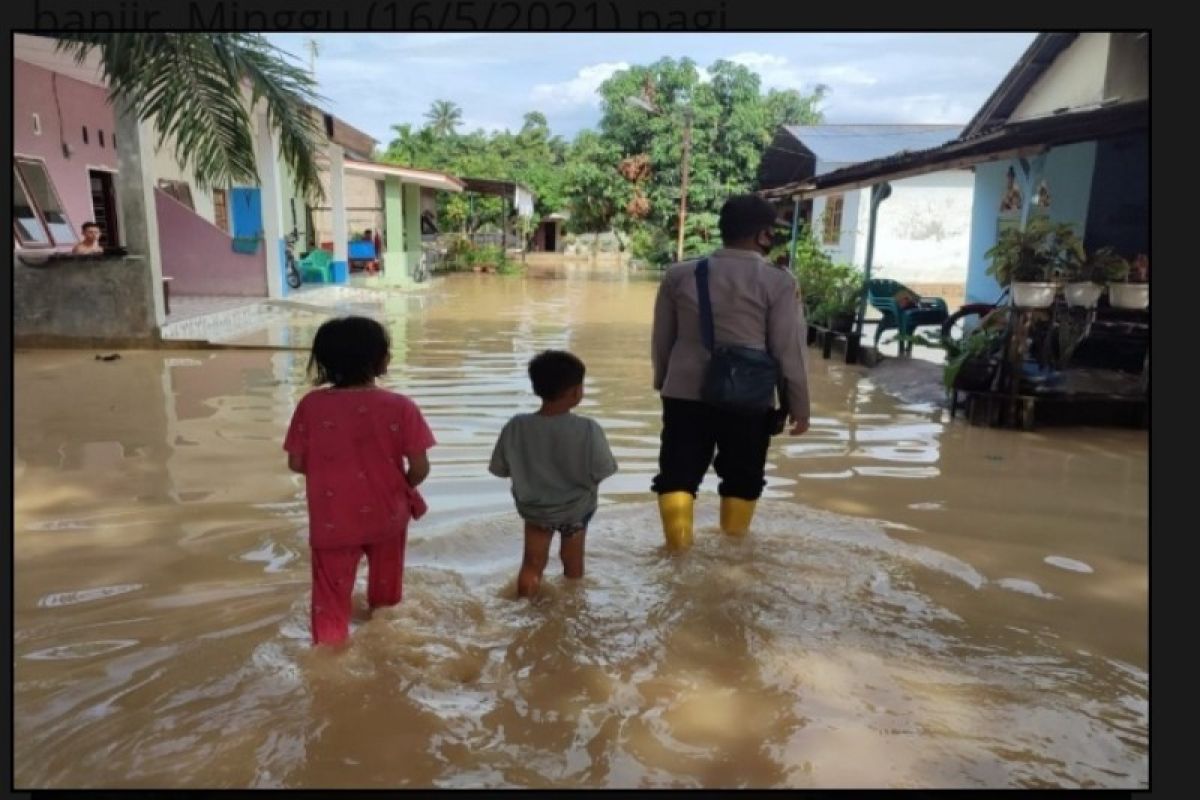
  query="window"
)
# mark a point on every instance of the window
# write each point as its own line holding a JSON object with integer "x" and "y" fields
{"x": 832, "y": 220}
{"x": 26, "y": 222}
{"x": 37, "y": 125}
{"x": 42, "y": 200}
{"x": 100, "y": 137}
{"x": 85, "y": 139}
{"x": 221, "y": 209}
{"x": 179, "y": 190}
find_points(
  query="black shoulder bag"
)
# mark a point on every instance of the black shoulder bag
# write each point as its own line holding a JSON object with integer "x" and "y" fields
{"x": 739, "y": 379}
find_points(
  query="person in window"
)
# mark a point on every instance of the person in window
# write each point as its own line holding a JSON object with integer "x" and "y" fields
{"x": 90, "y": 244}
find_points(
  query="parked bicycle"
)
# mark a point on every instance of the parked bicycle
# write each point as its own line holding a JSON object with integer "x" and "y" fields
{"x": 959, "y": 324}
{"x": 293, "y": 269}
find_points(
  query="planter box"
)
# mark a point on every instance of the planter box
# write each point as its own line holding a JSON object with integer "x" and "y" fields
{"x": 842, "y": 323}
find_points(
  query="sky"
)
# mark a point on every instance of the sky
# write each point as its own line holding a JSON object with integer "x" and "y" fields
{"x": 375, "y": 81}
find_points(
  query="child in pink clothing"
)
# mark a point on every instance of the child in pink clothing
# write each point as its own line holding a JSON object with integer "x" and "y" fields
{"x": 362, "y": 451}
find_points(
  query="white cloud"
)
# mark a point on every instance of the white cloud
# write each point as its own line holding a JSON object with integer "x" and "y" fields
{"x": 777, "y": 72}
{"x": 923, "y": 109}
{"x": 580, "y": 90}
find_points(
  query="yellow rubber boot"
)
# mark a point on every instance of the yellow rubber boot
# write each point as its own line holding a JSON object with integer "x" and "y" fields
{"x": 736, "y": 514}
{"x": 676, "y": 511}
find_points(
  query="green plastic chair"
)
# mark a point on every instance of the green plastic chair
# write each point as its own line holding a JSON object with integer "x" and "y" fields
{"x": 881, "y": 294}
{"x": 316, "y": 267}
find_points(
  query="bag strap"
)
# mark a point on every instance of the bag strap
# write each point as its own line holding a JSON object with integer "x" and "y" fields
{"x": 706, "y": 316}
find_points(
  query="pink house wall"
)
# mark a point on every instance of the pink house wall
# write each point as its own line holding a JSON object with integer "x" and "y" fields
{"x": 81, "y": 104}
{"x": 199, "y": 255}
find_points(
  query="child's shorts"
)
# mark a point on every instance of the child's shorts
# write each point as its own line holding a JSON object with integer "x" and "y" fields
{"x": 567, "y": 529}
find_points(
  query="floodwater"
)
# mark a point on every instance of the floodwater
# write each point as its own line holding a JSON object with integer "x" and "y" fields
{"x": 919, "y": 603}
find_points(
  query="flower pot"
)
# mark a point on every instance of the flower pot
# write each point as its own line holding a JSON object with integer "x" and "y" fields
{"x": 1034, "y": 295}
{"x": 975, "y": 375}
{"x": 1083, "y": 294}
{"x": 842, "y": 322}
{"x": 1129, "y": 295}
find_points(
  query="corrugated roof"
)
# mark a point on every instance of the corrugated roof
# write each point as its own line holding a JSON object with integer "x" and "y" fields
{"x": 837, "y": 146}
{"x": 1038, "y": 133}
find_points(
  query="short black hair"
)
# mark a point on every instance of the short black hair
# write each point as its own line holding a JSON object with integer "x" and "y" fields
{"x": 744, "y": 215}
{"x": 348, "y": 351}
{"x": 87, "y": 225}
{"x": 554, "y": 372}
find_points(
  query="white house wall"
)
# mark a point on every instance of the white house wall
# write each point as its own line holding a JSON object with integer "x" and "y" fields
{"x": 1076, "y": 78}
{"x": 923, "y": 234}
{"x": 924, "y": 229}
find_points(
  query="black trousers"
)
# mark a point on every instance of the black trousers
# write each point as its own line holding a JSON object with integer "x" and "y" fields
{"x": 693, "y": 431}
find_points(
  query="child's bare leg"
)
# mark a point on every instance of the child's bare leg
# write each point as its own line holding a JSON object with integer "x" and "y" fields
{"x": 537, "y": 553}
{"x": 571, "y": 552}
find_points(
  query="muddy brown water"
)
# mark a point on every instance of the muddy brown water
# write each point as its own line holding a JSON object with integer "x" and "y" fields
{"x": 920, "y": 603}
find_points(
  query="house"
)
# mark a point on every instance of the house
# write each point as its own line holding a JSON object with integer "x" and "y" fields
{"x": 548, "y": 236}
{"x": 1064, "y": 135}
{"x": 923, "y": 243}
{"x": 226, "y": 241}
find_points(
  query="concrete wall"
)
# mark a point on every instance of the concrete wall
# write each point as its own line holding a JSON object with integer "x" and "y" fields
{"x": 923, "y": 232}
{"x": 90, "y": 299}
{"x": 1076, "y": 78}
{"x": 199, "y": 256}
{"x": 360, "y": 192}
{"x": 81, "y": 104}
{"x": 165, "y": 167}
{"x": 924, "y": 229}
{"x": 1068, "y": 175}
{"x": 1128, "y": 67}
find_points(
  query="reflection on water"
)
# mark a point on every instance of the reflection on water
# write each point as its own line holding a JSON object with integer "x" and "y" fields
{"x": 920, "y": 604}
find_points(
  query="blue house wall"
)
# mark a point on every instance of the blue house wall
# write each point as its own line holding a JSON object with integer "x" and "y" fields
{"x": 1068, "y": 173}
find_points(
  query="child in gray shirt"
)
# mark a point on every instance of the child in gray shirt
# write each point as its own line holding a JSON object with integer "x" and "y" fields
{"x": 556, "y": 460}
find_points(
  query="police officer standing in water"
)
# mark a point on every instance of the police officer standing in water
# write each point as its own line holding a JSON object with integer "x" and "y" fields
{"x": 729, "y": 333}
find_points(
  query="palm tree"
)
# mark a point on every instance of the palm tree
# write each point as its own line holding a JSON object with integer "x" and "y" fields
{"x": 444, "y": 117}
{"x": 189, "y": 87}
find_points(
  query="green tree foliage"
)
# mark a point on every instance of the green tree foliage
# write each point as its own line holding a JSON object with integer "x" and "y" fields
{"x": 732, "y": 123}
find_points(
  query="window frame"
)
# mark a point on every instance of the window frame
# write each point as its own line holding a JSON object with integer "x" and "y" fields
{"x": 37, "y": 208}
{"x": 831, "y": 227}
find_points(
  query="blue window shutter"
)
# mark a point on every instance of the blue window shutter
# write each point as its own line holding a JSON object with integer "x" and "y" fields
{"x": 246, "y": 209}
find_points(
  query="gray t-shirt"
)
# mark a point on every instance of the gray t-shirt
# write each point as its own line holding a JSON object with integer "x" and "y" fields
{"x": 556, "y": 464}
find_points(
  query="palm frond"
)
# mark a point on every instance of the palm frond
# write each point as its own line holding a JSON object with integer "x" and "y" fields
{"x": 190, "y": 87}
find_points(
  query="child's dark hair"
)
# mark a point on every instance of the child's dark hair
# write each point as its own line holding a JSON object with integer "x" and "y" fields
{"x": 348, "y": 351}
{"x": 553, "y": 372}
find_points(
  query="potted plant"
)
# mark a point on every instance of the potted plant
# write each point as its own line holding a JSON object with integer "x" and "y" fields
{"x": 1131, "y": 290}
{"x": 839, "y": 305}
{"x": 1031, "y": 260}
{"x": 971, "y": 362}
{"x": 1089, "y": 276}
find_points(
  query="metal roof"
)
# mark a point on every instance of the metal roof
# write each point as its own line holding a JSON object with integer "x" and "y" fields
{"x": 837, "y": 146}
{"x": 419, "y": 177}
{"x": 1015, "y": 138}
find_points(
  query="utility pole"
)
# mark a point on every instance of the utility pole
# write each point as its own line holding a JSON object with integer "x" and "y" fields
{"x": 683, "y": 185}
{"x": 314, "y": 50}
